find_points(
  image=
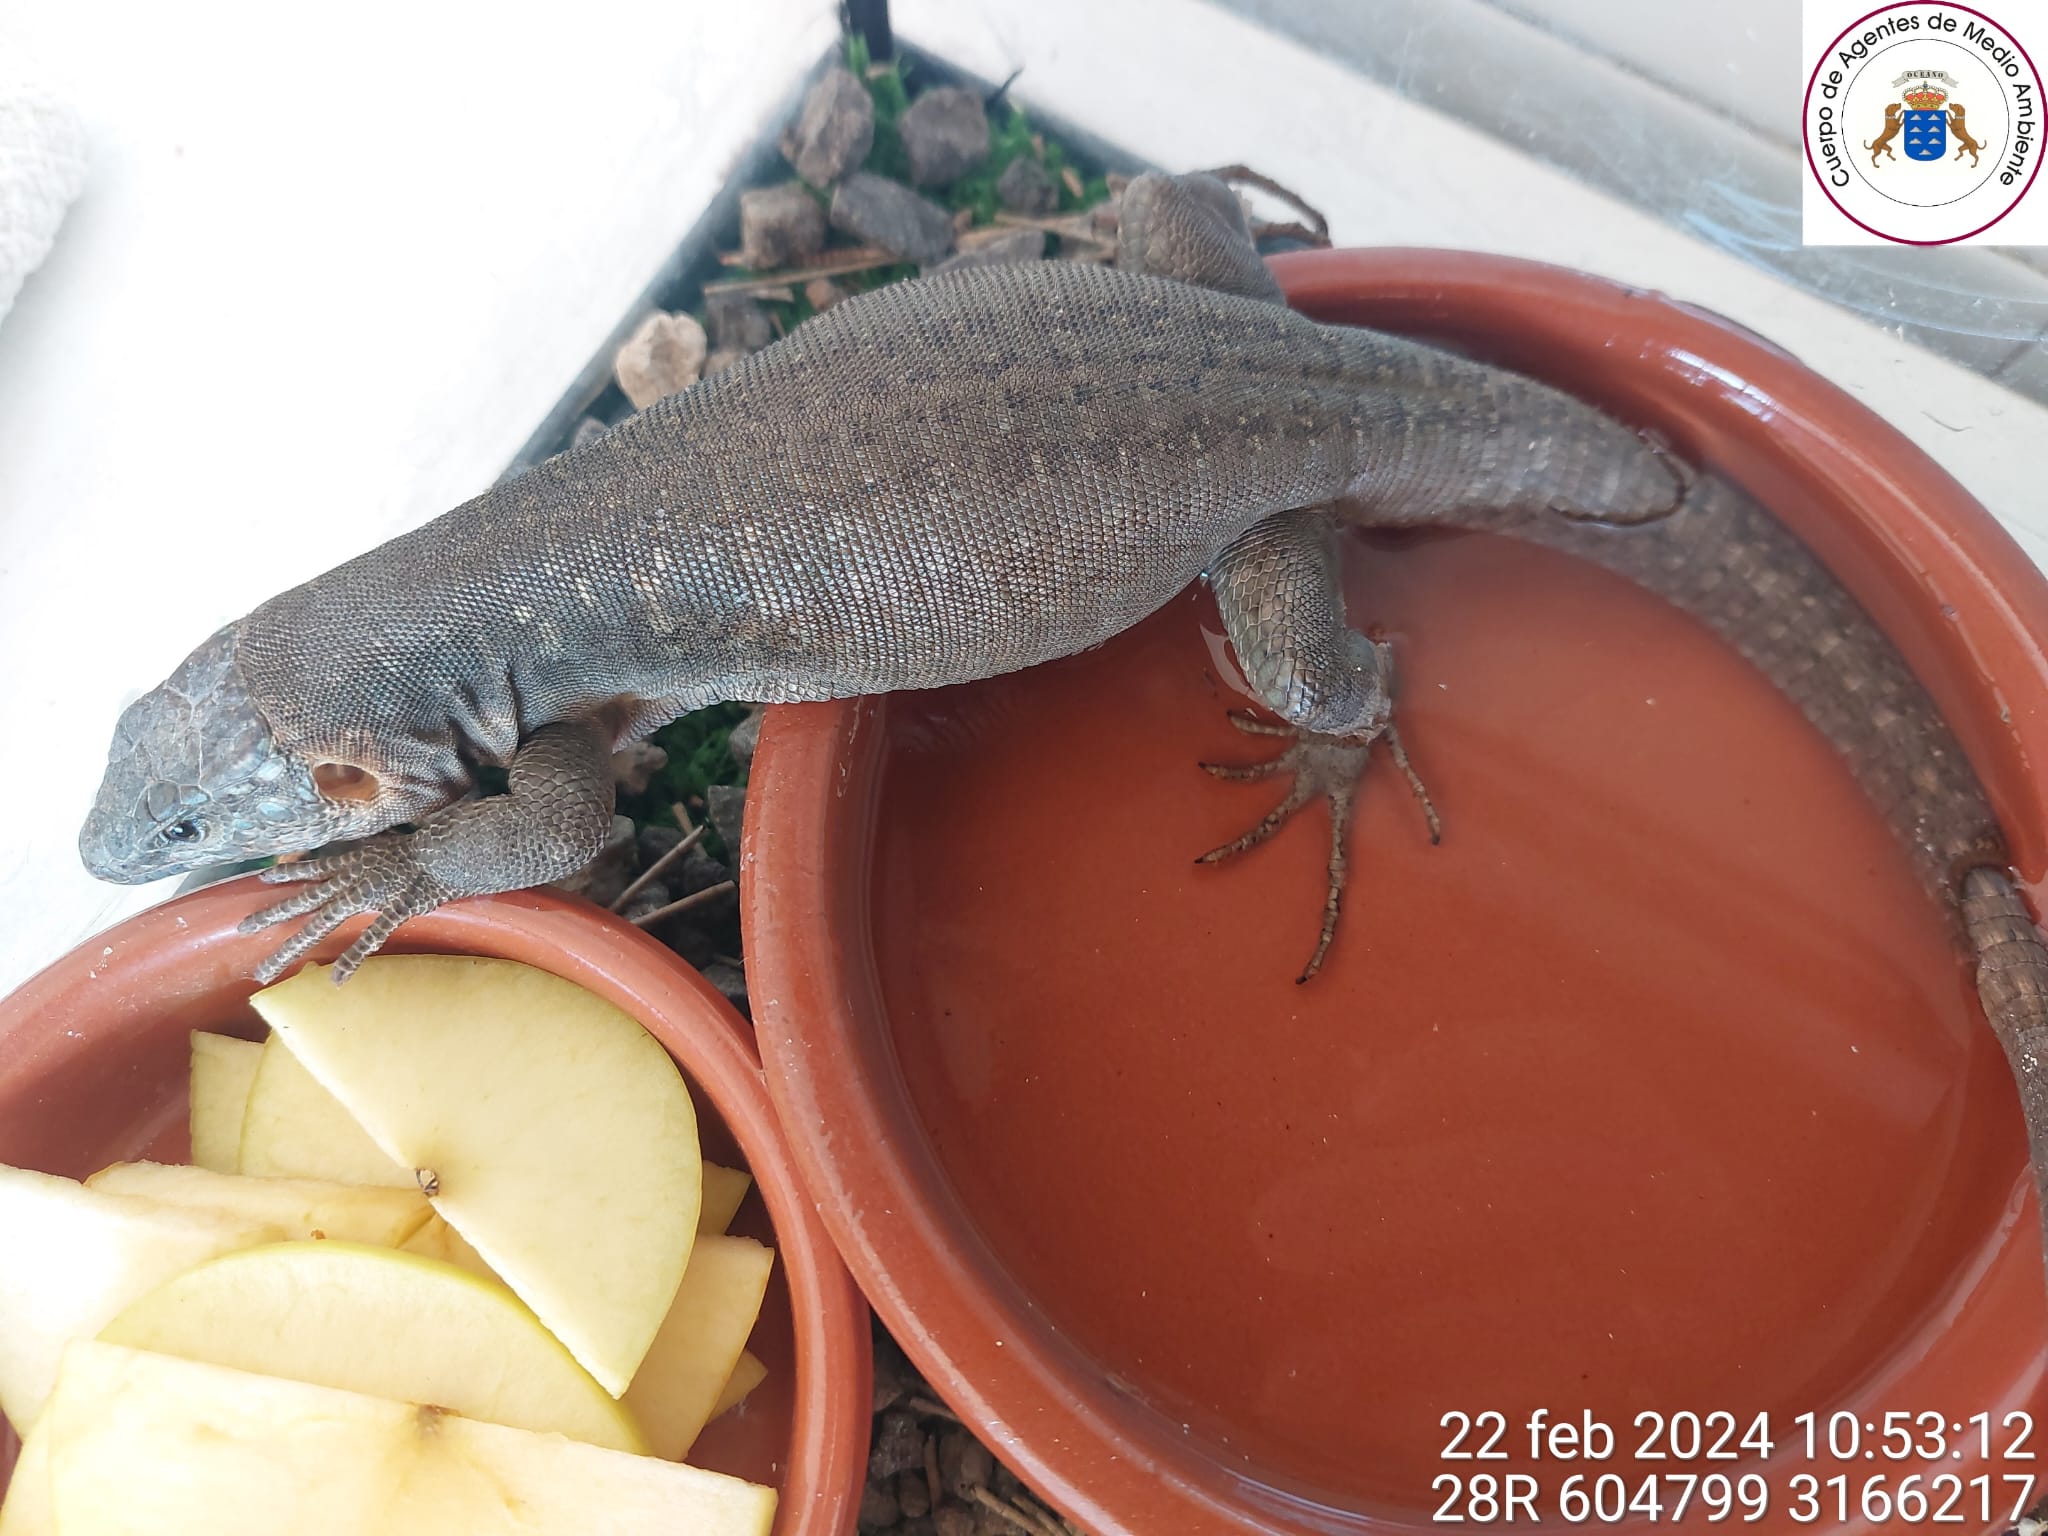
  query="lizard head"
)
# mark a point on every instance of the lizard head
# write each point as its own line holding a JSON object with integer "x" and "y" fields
{"x": 195, "y": 777}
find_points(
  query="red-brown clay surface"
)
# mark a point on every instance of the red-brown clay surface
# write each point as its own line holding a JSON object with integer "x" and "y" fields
{"x": 1655, "y": 1087}
{"x": 93, "y": 1069}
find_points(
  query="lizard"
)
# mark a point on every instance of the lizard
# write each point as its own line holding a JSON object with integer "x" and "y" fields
{"x": 955, "y": 477}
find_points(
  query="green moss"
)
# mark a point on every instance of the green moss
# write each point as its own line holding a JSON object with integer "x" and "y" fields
{"x": 1010, "y": 136}
{"x": 885, "y": 88}
{"x": 698, "y": 757}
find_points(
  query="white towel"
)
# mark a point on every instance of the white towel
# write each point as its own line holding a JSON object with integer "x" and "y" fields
{"x": 42, "y": 170}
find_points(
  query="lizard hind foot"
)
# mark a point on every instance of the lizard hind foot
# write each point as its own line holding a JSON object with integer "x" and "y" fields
{"x": 1323, "y": 768}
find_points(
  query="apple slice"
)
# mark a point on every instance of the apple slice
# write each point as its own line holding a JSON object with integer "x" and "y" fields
{"x": 724, "y": 1189}
{"x": 222, "y": 1070}
{"x": 437, "y": 1240}
{"x": 72, "y": 1257}
{"x": 301, "y": 1208}
{"x": 748, "y": 1374}
{"x": 700, "y": 1341}
{"x": 295, "y": 1129}
{"x": 150, "y": 1445}
{"x": 26, "y": 1511}
{"x": 378, "y": 1321}
{"x": 548, "y": 1128}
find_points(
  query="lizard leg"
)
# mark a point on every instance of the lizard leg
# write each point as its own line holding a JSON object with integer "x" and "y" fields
{"x": 552, "y": 820}
{"x": 1191, "y": 229}
{"x": 1277, "y": 589}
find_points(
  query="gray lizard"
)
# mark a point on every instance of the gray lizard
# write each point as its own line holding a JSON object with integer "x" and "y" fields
{"x": 948, "y": 479}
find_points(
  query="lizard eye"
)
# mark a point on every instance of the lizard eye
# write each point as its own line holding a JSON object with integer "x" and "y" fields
{"x": 182, "y": 832}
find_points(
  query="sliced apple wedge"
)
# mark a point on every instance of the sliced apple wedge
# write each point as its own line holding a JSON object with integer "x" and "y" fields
{"x": 222, "y": 1070}
{"x": 150, "y": 1445}
{"x": 71, "y": 1258}
{"x": 26, "y": 1511}
{"x": 748, "y": 1374}
{"x": 548, "y": 1128}
{"x": 700, "y": 1342}
{"x": 301, "y": 1208}
{"x": 295, "y": 1129}
{"x": 437, "y": 1240}
{"x": 378, "y": 1321}
{"x": 724, "y": 1189}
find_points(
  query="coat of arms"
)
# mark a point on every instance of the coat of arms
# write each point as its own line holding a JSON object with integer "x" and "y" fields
{"x": 1926, "y": 124}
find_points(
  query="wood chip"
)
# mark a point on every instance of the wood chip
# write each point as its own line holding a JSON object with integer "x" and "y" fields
{"x": 660, "y": 865}
{"x": 694, "y": 899}
{"x": 931, "y": 1468}
{"x": 1072, "y": 178}
{"x": 858, "y": 258}
{"x": 1016, "y": 1514}
{"x": 1068, "y": 226}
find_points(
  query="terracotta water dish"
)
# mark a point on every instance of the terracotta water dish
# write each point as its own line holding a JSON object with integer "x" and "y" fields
{"x": 1655, "y": 1089}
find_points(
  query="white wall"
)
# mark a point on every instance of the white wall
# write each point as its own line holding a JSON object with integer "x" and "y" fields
{"x": 333, "y": 265}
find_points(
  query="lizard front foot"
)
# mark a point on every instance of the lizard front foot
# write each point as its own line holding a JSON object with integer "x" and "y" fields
{"x": 384, "y": 877}
{"x": 1327, "y": 768}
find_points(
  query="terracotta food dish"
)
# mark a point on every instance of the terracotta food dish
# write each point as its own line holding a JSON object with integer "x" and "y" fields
{"x": 1655, "y": 1089}
{"x": 93, "y": 1069}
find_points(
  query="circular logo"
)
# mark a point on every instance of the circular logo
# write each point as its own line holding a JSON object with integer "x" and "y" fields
{"x": 1924, "y": 122}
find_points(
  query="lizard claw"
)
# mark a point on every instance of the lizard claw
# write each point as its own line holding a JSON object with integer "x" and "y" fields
{"x": 384, "y": 877}
{"x": 1324, "y": 767}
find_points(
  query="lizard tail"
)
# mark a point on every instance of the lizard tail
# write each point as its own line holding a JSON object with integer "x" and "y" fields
{"x": 1724, "y": 560}
{"x": 1728, "y": 563}
{"x": 2012, "y": 982}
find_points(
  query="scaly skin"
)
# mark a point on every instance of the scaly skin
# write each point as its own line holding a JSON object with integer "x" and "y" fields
{"x": 954, "y": 478}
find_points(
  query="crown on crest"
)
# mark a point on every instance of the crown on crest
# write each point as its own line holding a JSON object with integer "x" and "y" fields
{"x": 1925, "y": 98}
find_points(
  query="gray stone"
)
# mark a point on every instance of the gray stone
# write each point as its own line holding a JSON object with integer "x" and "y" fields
{"x": 780, "y": 225}
{"x": 587, "y": 429}
{"x": 1026, "y": 187}
{"x": 964, "y": 1463}
{"x": 878, "y": 1509}
{"x": 651, "y": 897}
{"x": 730, "y": 980}
{"x": 604, "y": 877}
{"x": 683, "y": 936}
{"x": 882, "y": 212}
{"x": 894, "y": 1376}
{"x": 663, "y": 356}
{"x": 823, "y": 293}
{"x": 745, "y": 735}
{"x": 634, "y": 767}
{"x": 898, "y": 1444}
{"x": 726, "y": 805}
{"x": 655, "y": 839}
{"x": 737, "y": 323}
{"x": 834, "y": 131}
{"x": 700, "y": 872}
{"x": 913, "y": 1493}
{"x": 945, "y": 134}
{"x": 721, "y": 360}
{"x": 1011, "y": 245}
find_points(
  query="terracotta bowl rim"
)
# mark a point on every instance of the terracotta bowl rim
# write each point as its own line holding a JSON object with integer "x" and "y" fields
{"x": 711, "y": 1043}
{"x": 1048, "y": 1410}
